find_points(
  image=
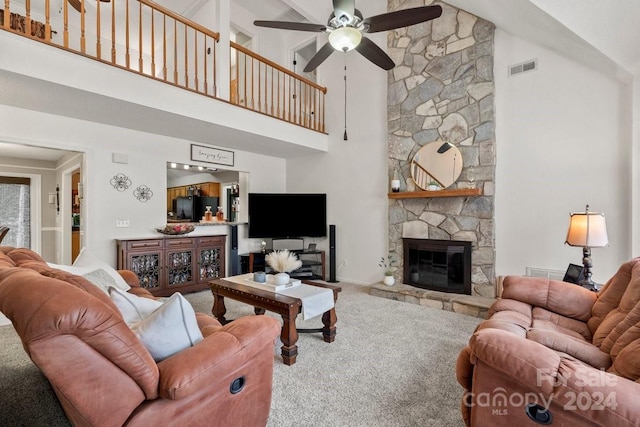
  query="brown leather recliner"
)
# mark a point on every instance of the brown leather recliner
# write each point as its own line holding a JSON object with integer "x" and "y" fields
{"x": 557, "y": 354}
{"x": 104, "y": 376}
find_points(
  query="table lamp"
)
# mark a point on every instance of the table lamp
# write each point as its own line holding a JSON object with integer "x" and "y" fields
{"x": 589, "y": 230}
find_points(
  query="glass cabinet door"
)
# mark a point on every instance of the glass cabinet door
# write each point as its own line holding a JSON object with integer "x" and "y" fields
{"x": 210, "y": 263}
{"x": 147, "y": 266}
{"x": 179, "y": 267}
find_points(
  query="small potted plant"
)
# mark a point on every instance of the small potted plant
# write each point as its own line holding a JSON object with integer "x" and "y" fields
{"x": 388, "y": 265}
{"x": 433, "y": 186}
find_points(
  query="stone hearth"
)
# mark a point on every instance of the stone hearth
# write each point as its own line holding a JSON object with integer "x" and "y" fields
{"x": 462, "y": 304}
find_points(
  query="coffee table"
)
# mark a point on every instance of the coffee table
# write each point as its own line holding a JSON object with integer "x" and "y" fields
{"x": 286, "y": 306}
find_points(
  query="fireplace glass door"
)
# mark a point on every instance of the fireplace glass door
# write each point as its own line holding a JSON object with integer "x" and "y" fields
{"x": 439, "y": 265}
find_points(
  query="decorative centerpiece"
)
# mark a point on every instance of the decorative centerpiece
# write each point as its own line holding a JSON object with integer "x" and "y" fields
{"x": 176, "y": 229}
{"x": 283, "y": 262}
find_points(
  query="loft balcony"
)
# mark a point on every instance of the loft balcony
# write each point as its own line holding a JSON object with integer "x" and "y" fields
{"x": 138, "y": 65}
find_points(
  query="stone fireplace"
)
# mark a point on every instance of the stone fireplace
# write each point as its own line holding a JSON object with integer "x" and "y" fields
{"x": 442, "y": 89}
{"x": 438, "y": 265}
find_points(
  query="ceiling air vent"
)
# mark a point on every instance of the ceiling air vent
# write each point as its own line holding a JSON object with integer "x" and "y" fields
{"x": 523, "y": 67}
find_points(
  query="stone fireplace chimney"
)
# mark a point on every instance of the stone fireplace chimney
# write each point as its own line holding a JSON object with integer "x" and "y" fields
{"x": 442, "y": 90}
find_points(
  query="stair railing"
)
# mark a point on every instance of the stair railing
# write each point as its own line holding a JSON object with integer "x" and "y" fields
{"x": 146, "y": 38}
{"x": 264, "y": 86}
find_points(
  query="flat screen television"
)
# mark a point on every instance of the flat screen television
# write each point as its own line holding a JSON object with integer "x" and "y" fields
{"x": 287, "y": 215}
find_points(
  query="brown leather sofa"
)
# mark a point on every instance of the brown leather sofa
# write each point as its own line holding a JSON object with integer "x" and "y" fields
{"x": 103, "y": 375}
{"x": 553, "y": 353}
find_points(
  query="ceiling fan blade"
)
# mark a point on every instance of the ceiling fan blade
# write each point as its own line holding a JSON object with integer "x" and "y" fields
{"x": 373, "y": 53}
{"x": 76, "y": 4}
{"x": 319, "y": 57}
{"x": 344, "y": 7}
{"x": 296, "y": 26}
{"x": 401, "y": 18}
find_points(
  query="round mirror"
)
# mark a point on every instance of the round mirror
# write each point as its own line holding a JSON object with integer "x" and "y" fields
{"x": 436, "y": 166}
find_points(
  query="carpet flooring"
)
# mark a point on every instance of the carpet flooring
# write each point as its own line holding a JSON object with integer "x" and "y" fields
{"x": 392, "y": 364}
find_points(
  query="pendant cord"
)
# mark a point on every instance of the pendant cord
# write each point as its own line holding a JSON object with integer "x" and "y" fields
{"x": 345, "y": 96}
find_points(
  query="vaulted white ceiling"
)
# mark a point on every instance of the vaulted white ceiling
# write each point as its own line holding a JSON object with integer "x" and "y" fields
{"x": 602, "y": 33}
{"x": 593, "y": 31}
{"x": 611, "y": 26}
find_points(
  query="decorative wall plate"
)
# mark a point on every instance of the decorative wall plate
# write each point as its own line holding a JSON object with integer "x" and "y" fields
{"x": 120, "y": 182}
{"x": 143, "y": 193}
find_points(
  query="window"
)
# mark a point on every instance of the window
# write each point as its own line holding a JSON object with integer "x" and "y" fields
{"x": 15, "y": 210}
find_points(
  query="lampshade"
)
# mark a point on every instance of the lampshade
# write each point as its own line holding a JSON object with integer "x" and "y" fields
{"x": 587, "y": 229}
{"x": 345, "y": 38}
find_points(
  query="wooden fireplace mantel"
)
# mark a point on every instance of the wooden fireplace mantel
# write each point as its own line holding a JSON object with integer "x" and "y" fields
{"x": 456, "y": 192}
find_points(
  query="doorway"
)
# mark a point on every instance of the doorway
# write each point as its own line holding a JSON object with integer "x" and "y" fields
{"x": 70, "y": 217}
{"x": 301, "y": 57}
{"x": 76, "y": 194}
{"x": 237, "y": 73}
{"x": 50, "y": 215}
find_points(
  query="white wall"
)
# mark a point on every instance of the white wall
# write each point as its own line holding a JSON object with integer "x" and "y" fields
{"x": 353, "y": 173}
{"x": 147, "y": 154}
{"x": 563, "y": 141}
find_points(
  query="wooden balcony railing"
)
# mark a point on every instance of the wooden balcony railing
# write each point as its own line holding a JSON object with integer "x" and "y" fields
{"x": 264, "y": 86}
{"x": 146, "y": 38}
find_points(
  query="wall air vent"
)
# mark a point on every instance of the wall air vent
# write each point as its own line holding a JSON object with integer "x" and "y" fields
{"x": 523, "y": 67}
{"x": 544, "y": 272}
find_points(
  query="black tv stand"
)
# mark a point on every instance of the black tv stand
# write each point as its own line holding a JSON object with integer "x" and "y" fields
{"x": 313, "y": 264}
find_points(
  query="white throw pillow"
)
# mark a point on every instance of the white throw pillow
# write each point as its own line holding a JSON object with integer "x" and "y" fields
{"x": 169, "y": 329}
{"x": 87, "y": 259}
{"x": 134, "y": 309}
{"x": 97, "y": 277}
{"x": 100, "y": 279}
{"x": 78, "y": 271}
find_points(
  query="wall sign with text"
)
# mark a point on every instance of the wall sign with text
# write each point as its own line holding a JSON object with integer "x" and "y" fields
{"x": 211, "y": 155}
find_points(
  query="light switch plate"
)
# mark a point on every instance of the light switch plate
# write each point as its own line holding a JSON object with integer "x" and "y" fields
{"x": 122, "y": 223}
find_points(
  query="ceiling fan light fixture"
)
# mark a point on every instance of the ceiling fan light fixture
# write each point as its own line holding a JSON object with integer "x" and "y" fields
{"x": 345, "y": 38}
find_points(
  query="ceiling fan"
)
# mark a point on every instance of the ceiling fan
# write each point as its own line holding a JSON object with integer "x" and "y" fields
{"x": 346, "y": 27}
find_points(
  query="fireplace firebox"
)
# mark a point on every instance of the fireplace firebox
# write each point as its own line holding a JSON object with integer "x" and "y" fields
{"x": 438, "y": 265}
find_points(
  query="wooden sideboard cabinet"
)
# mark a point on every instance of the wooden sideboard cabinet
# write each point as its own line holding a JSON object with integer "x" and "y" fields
{"x": 174, "y": 263}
